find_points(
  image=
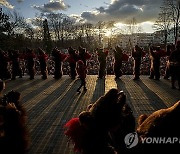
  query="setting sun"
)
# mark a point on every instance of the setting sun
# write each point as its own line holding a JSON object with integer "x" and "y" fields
{"x": 108, "y": 33}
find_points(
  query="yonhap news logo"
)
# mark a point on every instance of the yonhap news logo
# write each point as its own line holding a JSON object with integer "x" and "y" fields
{"x": 132, "y": 139}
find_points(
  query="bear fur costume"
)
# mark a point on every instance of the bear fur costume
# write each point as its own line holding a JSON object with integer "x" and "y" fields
{"x": 162, "y": 123}
{"x": 14, "y": 135}
{"x": 95, "y": 130}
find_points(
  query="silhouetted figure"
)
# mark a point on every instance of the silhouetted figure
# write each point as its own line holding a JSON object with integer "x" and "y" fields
{"x": 102, "y": 55}
{"x": 174, "y": 60}
{"x": 30, "y": 62}
{"x": 81, "y": 70}
{"x": 4, "y": 72}
{"x": 22, "y": 58}
{"x": 16, "y": 69}
{"x": 58, "y": 58}
{"x": 169, "y": 50}
{"x": 155, "y": 62}
{"x": 83, "y": 55}
{"x": 102, "y": 126}
{"x": 2, "y": 87}
{"x": 14, "y": 136}
{"x": 72, "y": 59}
{"x": 118, "y": 55}
{"x": 126, "y": 126}
{"x": 43, "y": 63}
{"x": 137, "y": 54}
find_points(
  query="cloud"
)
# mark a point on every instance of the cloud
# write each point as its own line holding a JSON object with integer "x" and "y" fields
{"x": 53, "y": 5}
{"x": 6, "y": 4}
{"x": 123, "y": 10}
{"x": 19, "y": 1}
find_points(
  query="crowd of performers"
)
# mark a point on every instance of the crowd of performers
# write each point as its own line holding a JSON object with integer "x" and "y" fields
{"x": 78, "y": 62}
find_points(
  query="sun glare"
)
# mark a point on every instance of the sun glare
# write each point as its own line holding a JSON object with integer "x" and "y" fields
{"x": 108, "y": 33}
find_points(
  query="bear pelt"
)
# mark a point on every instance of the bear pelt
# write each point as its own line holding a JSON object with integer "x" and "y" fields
{"x": 162, "y": 125}
{"x": 102, "y": 127}
{"x": 14, "y": 135}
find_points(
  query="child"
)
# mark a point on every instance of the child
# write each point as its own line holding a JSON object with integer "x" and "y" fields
{"x": 81, "y": 70}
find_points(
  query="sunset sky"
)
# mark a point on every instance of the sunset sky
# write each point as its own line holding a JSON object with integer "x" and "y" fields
{"x": 145, "y": 11}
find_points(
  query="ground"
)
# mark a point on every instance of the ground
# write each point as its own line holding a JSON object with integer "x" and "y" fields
{"x": 51, "y": 103}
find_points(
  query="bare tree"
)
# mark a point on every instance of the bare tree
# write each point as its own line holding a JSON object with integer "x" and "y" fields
{"x": 55, "y": 22}
{"x": 47, "y": 36}
{"x": 37, "y": 23}
{"x": 100, "y": 28}
{"x": 163, "y": 23}
{"x": 110, "y": 29}
{"x": 89, "y": 32}
{"x": 132, "y": 30}
{"x": 4, "y": 21}
{"x": 174, "y": 6}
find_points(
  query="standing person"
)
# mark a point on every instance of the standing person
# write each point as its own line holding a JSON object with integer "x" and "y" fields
{"x": 118, "y": 55}
{"x": 30, "y": 62}
{"x": 169, "y": 50}
{"x": 43, "y": 62}
{"x": 81, "y": 70}
{"x": 137, "y": 54}
{"x": 174, "y": 60}
{"x": 4, "y": 72}
{"x": 16, "y": 69}
{"x": 58, "y": 58}
{"x": 72, "y": 59}
{"x": 155, "y": 62}
{"x": 102, "y": 55}
{"x": 83, "y": 55}
{"x": 2, "y": 87}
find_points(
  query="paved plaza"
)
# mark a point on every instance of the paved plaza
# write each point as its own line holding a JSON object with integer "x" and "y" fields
{"x": 51, "y": 103}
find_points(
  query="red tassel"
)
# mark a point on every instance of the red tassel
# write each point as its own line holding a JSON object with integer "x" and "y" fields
{"x": 75, "y": 132}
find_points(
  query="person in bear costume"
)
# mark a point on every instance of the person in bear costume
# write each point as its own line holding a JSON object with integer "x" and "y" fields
{"x": 83, "y": 55}
{"x": 30, "y": 60}
{"x": 72, "y": 58}
{"x": 118, "y": 62}
{"x": 162, "y": 123}
{"x": 14, "y": 135}
{"x": 102, "y": 55}
{"x": 43, "y": 57}
{"x": 94, "y": 130}
{"x": 137, "y": 55}
{"x": 16, "y": 68}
